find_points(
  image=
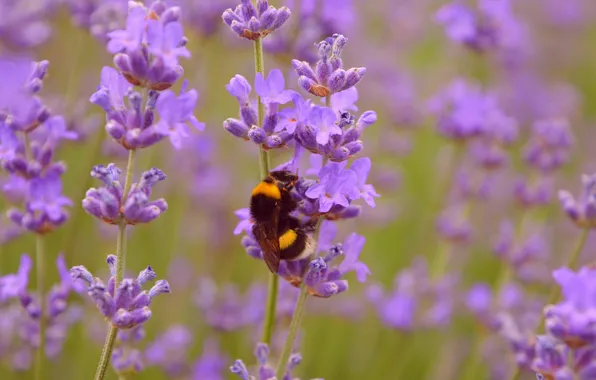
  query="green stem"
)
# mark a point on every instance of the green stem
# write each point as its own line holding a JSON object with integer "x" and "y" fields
{"x": 298, "y": 313}
{"x": 106, "y": 352}
{"x": 264, "y": 168}
{"x": 40, "y": 268}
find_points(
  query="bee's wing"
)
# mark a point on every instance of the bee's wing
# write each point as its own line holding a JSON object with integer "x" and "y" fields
{"x": 266, "y": 235}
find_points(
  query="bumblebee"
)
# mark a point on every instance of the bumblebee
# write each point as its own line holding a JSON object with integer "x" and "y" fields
{"x": 280, "y": 235}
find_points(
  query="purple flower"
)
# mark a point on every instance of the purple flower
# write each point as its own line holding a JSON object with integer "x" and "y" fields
{"x": 148, "y": 50}
{"x": 12, "y": 284}
{"x": 58, "y": 314}
{"x": 9, "y": 143}
{"x": 582, "y": 211}
{"x": 108, "y": 204}
{"x": 175, "y": 112}
{"x": 551, "y": 359}
{"x": 271, "y": 90}
{"x": 45, "y": 205}
{"x": 240, "y": 88}
{"x": 169, "y": 350}
{"x": 328, "y": 77}
{"x": 362, "y": 167}
{"x": 294, "y": 117}
{"x": 337, "y": 186}
{"x": 26, "y": 25}
{"x": 572, "y": 320}
{"x": 166, "y": 41}
{"x": 211, "y": 364}
{"x": 550, "y": 145}
{"x": 226, "y": 309}
{"x": 129, "y": 39}
{"x": 322, "y": 119}
{"x": 252, "y": 22}
{"x": 265, "y": 370}
{"x": 127, "y": 305}
{"x": 491, "y": 26}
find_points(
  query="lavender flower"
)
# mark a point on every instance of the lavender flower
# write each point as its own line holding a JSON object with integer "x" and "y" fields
{"x": 211, "y": 364}
{"x": 551, "y": 358}
{"x": 58, "y": 314}
{"x": 550, "y": 145}
{"x": 226, "y": 309}
{"x": 99, "y": 17}
{"x": 26, "y": 24}
{"x": 265, "y": 371}
{"x": 583, "y": 210}
{"x": 571, "y": 320}
{"x": 109, "y": 204}
{"x": 328, "y": 77}
{"x": 147, "y": 50}
{"x": 169, "y": 351}
{"x": 491, "y": 26}
{"x": 272, "y": 93}
{"x": 252, "y": 22}
{"x": 126, "y": 357}
{"x": 127, "y": 306}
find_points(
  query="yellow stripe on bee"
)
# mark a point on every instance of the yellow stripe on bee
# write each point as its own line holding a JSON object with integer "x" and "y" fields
{"x": 287, "y": 239}
{"x": 268, "y": 189}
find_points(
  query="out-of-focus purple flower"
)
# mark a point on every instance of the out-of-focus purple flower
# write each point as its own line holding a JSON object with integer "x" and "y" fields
{"x": 148, "y": 49}
{"x": 265, "y": 370}
{"x": 491, "y": 26}
{"x": 226, "y": 309}
{"x": 129, "y": 39}
{"x": 272, "y": 89}
{"x": 45, "y": 205}
{"x": 126, "y": 357}
{"x": 454, "y": 225}
{"x": 328, "y": 77}
{"x": 550, "y": 145}
{"x": 255, "y": 22}
{"x": 361, "y": 167}
{"x": 464, "y": 112}
{"x": 313, "y": 21}
{"x": 536, "y": 193}
{"x": 128, "y": 305}
{"x": 107, "y": 203}
{"x": 175, "y": 113}
{"x": 58, "y": 314}
{"x": 551, "y": 359}
{"x": 99, "y": 17}
{"x": 572, "y": 320}
{"x": 169, "y": 351}
{"x": 26, "y": 24}
{"x": 582, "y": 211}
{"x": 211, "y": 364}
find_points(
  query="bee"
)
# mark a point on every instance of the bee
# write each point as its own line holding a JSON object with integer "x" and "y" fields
{"x": 280, "y": 235}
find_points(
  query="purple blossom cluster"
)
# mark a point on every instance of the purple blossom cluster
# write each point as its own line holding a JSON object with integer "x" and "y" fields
{"x": 146, "y": 55}
{"x": 488, "y": 27}
{"x": 416, "y": 301}
{"x": 29, "y": 137}
{"x": 21, "y": 311}
{"x": 255, "y": 21}
{"x": 265, "y": 371}
{"x": 329, "y": 131}
{"x": 567, "y": 350}
{"x": 127, "y": 305}
{"x": 109, "y": 204}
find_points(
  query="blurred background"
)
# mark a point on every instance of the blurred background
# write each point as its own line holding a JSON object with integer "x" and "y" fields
{"x": 439, "y": 229}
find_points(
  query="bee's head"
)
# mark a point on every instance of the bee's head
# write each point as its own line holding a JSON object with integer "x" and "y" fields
{"x": 284, "y": 178}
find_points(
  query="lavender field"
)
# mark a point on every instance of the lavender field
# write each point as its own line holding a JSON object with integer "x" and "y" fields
{"x": 298, "y": 189}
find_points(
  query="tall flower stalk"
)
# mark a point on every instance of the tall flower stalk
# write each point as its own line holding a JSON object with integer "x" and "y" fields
{"x": 263, "y": 20}
{"x": 146, "y": 55}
